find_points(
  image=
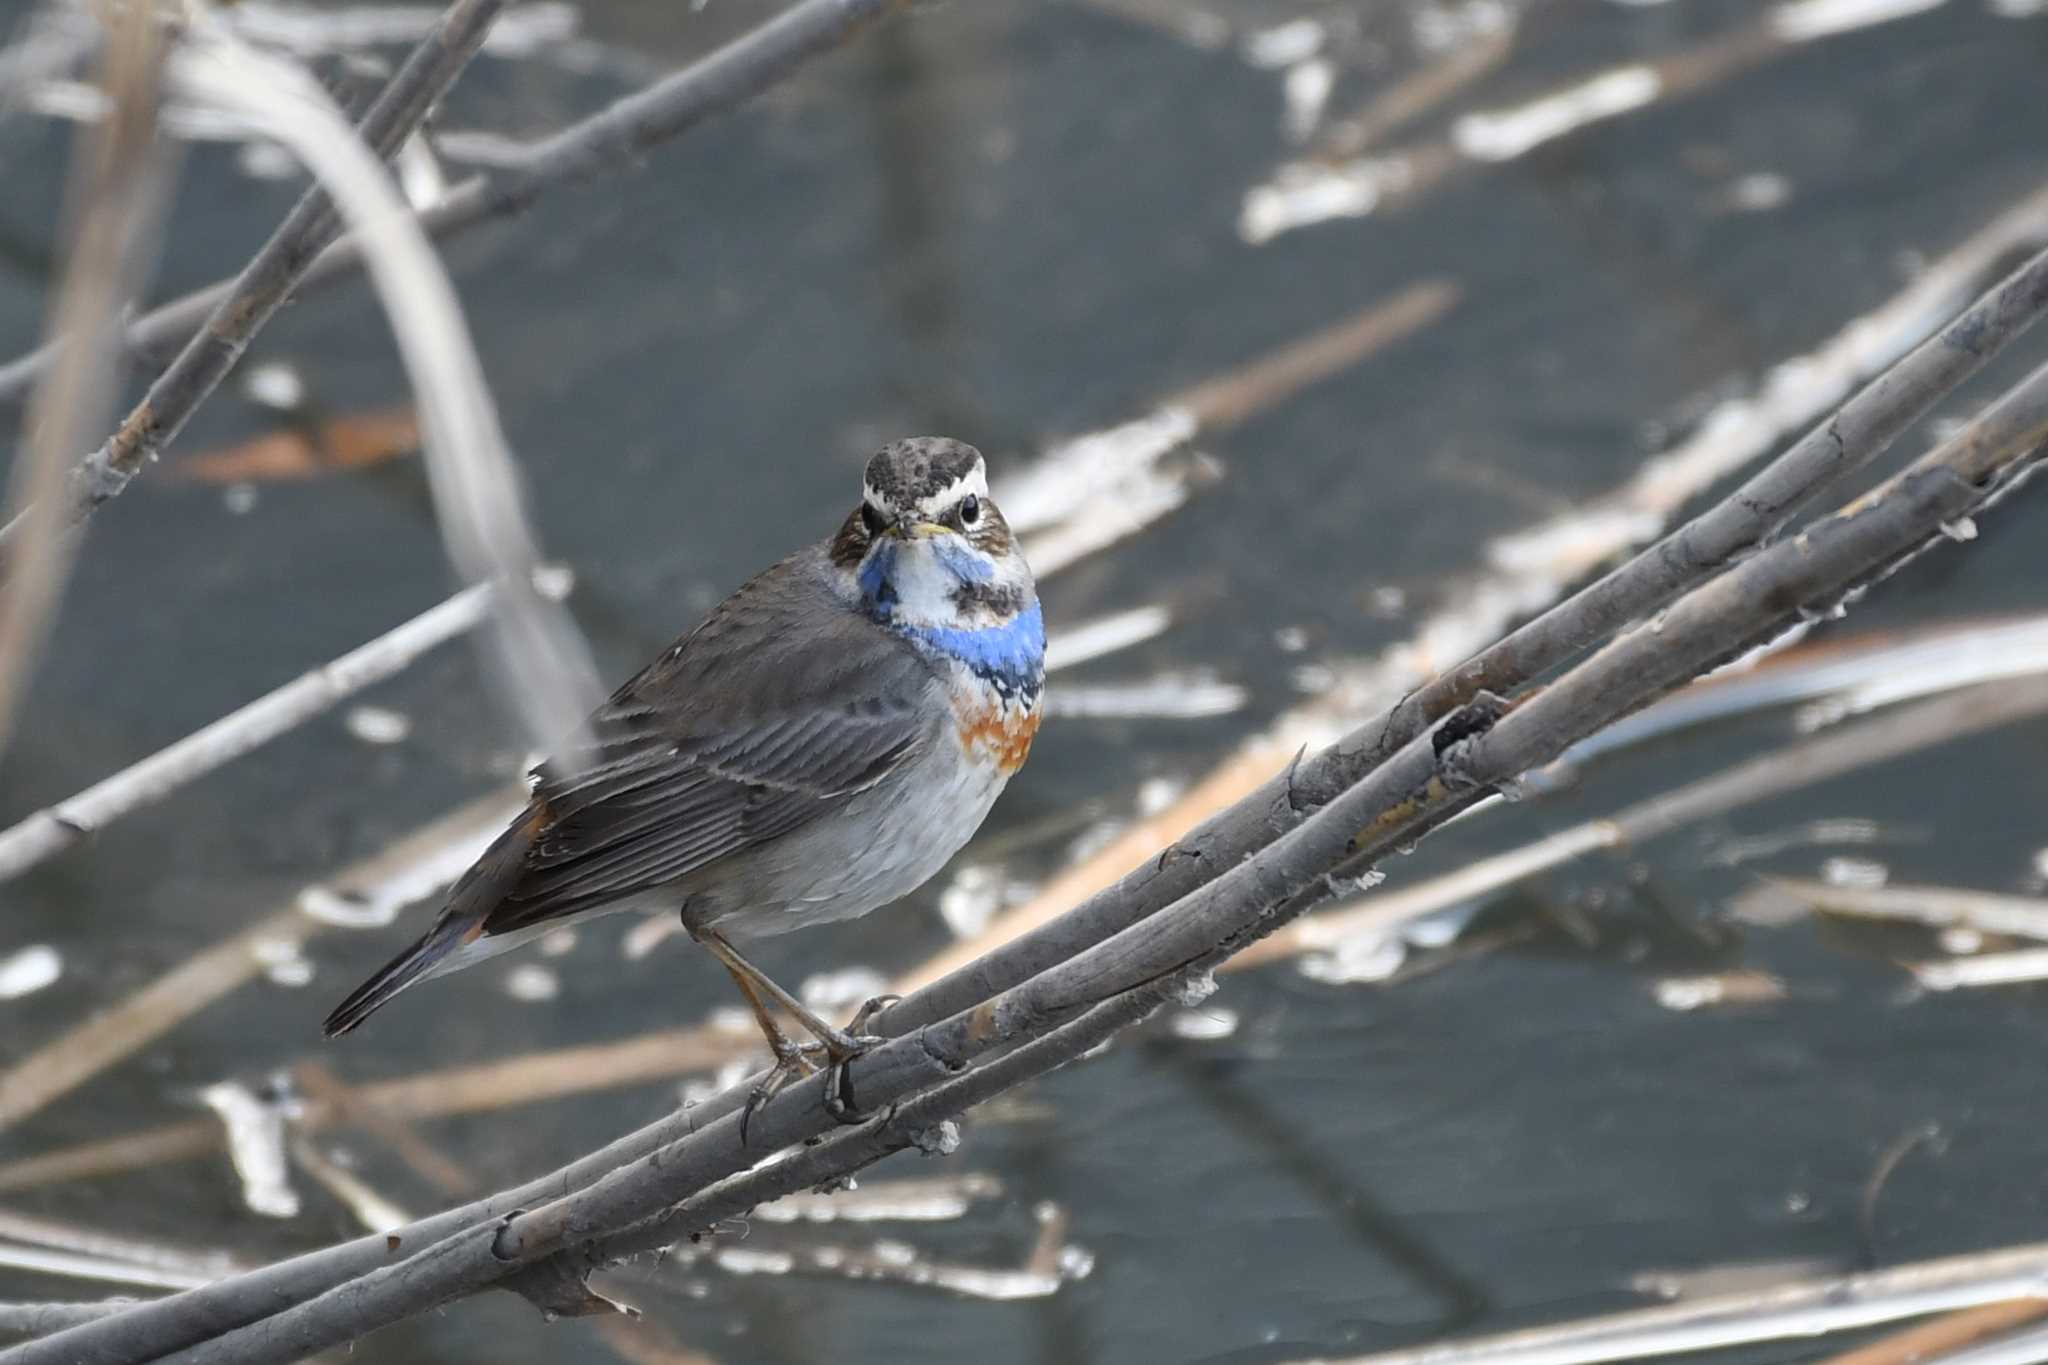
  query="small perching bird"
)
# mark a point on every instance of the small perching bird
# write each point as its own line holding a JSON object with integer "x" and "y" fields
{"x": 819, "y": 746}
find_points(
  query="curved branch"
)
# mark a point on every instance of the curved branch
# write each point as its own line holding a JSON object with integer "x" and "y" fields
{"x": 544, "y": 664}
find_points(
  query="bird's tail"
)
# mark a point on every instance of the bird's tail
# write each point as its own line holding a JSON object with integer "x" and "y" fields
{"x": 395, "y": 975}
{"x": 457, "y": 938}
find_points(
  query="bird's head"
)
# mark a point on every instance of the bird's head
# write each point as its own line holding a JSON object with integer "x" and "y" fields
{"x": 927, "y": 546}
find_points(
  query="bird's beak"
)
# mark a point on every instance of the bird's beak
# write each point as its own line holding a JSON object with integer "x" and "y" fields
{"x": 918, "y": 530}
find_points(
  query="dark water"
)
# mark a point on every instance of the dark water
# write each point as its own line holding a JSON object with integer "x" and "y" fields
{"x": 1013, "y": 223}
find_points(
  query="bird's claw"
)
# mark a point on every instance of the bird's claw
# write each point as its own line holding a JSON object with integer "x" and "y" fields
{"x": 839, "y": 1101}
{"x": 791, "y": 1061}
{"x": 831, "y": 1052}
{"x": 874, "y": 1006}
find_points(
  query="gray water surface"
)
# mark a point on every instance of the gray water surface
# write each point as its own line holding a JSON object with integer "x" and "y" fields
{"x": 1013, "y": 223}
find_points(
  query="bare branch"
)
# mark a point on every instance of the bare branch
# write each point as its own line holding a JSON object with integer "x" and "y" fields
{"x": 1818, "y": 758}
{"x": 1425, "y": 781}
{"x": 1524, "y": 573}
{"x": 1221, "y": 843}
{"x": 551, "y": 1074}
{"x": 370, "y": 889}
{"x": 2015, "y": 1348}
{"x": 116, "y": 192}
{"x": 40, "y": 1319}
{"x": 1103, "y": 983}
{"x": 1939, "y": 1337}
{"x": 53, "y": 829}
{"x": 1847, "y": 441}
{"x": 613, "y": 138}
{"x": 268, "y": 278}
{"x": 1753, "y": 513}
{"x": 1806, "y": 1309}
{"x": 544, "y": 665}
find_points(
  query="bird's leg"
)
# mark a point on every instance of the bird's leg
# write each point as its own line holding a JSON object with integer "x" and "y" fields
{"x": 840, "y": 1045}
{"x": 790, "y": 1061}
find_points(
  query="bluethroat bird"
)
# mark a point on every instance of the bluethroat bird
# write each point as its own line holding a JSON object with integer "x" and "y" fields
{"x": 820, "y": 745}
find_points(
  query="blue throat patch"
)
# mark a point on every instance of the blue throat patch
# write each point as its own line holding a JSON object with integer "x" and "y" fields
{"x": 875, "y": 588}
{"x": 1009, "y": 657}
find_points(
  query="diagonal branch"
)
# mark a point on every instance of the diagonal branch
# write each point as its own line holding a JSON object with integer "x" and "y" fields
{"x": 1982, "y": 699}
{"x": 1220, "y": 843}
{"x": 1530, "y": 572}
{"x": 51, "y": 830}
{"x": 1434, "y": 775}
{"x": 681, "y": 1185}
{"x": 615, "y": 137}
{"x": 1756, "y": 511}
{"x": 37, "y": 1319}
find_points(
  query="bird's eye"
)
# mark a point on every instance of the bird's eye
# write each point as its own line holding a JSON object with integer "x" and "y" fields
{"x": 871, "y": 519}
{"x": 970, "y": 510}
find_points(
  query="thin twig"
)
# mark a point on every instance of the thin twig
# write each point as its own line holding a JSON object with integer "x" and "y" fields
{"x": 1419, "y": 93}
{"x": 117, "y": 188}
{"x": 82, "y": 1265}
{"x": 2019, "y": 1348}
{"x": 270, "y": 277}
{"x": 1920, "y": 1134}
{"x": 1842, "y": 678}
{"x": 1805, "y": 1309}
{"x": 50, "y": 831}
{"x": 616, "y": 137}
{"x": 1929, "y": 1341}
{"x": 195, "y": 1264}
{"x": 346, "y": 1105}
{"x": 1941, "y": 906}
{"x": 413, "y": 867}
{"x": 1251, "y": 389}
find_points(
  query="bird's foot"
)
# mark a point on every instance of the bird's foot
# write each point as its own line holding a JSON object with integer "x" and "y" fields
{"x": 842, "y": 1048}
{"x": 791, "y": 1061}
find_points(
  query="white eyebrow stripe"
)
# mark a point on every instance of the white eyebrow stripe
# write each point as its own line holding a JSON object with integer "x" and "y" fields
{"x": 974, "y": 481}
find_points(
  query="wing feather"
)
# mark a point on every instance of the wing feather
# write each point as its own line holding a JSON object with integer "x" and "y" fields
{"x": 746, "y": 732}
